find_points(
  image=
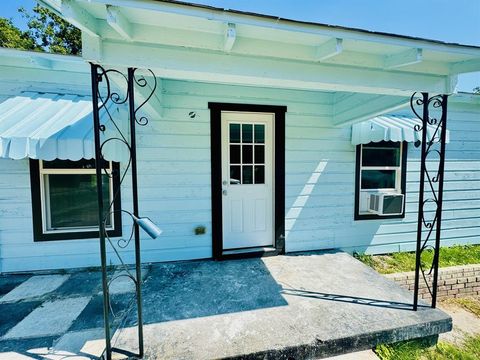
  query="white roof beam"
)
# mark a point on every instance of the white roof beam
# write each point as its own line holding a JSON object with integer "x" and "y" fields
{"x": 407, "y": 57}
{"x": 329, "y": 49}
{"x": 79, "y": 17}
{"x": 118, "y": 22}
{"x": 197, "y": 65}
{"x": 465, "y": 66}
{"x": 230, "y": 37}
{"x": 42, "y": 62}
{"x": 360, "y": 107}
{"x": 91, "y": 48}
{"x": 283, "y": 24}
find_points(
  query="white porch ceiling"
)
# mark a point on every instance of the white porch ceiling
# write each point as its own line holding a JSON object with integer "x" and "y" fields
{"x": 150, "y": 23}
{"x": 196, "y": 43}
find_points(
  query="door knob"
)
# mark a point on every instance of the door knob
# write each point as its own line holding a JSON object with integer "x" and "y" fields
{"x": 224, "y": 192}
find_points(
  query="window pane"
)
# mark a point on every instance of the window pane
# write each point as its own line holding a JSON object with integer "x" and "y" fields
{"x": 67, "y": 164}
{"x": 259, "y": 174}
{"x": 247, "y": 154}
{"x": 234, "y": 154}
{"x": 247, "y": 133}
{"x": 380, "y": 156}
{"x": 247, "y": 174}
{"x": 259, "y": 154}
{"x": 260, "y": 134}
{"x": 73, "y": 200}
{"x": 235, "y": 175}
{"x": 378, "y": 179}
{"x": 234, "y": 133}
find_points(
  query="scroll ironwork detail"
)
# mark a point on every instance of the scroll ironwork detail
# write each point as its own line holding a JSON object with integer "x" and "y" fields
{"x": 432, "y": 113}
{"x": 104, "y": 95}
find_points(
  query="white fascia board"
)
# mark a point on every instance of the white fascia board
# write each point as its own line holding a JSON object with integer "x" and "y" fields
{"x": 191, "y": 64}
{"x": 278, "y": 23}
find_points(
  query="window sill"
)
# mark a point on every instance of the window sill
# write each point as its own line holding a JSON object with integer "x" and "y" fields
{"x": 77, "y": 235}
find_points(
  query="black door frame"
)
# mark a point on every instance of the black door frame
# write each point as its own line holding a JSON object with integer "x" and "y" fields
{"x": 216, "y": 167}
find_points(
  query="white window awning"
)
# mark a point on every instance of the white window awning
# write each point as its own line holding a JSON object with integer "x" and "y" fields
{"x": 390, "y": 128}
{"x": 48, "y": 126}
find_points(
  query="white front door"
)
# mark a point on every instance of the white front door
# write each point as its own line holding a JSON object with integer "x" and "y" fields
{"x": 247, "y": 179}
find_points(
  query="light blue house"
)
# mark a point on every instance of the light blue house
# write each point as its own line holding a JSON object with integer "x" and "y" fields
{"x": 265, "y": 136}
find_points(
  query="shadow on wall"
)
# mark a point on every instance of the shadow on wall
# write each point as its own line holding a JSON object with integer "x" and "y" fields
{"x": 321, "y": 214}
{"x": 322, "y": 204}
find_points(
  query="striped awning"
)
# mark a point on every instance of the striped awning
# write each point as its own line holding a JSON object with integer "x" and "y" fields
{"x": 50, "y": 126}
{"x": 390, "y": 128}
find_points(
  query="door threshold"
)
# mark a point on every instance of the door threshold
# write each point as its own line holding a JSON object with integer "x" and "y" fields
{"x": 250, "y": 252}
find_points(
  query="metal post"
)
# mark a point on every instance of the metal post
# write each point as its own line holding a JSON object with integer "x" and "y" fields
{"x": 431, "y": 144}
{"x": 133, "y": 154}
{"x": 420, "y": 200}
{"x": 440, "y": 174}
{"x": 102, "y": 101}
{"x": 101, "y": 215}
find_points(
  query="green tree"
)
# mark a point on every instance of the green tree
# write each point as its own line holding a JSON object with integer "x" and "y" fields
{"x": 51, "y": 33}
{"x": 46, "y": 32}
{"x": 13, "y": 37}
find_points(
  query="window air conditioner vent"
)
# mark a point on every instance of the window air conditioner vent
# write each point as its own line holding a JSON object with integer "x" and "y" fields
{"x": 385, "y": 204}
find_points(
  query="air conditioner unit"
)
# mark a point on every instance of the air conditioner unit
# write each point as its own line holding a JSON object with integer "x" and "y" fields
{"x": 385, "y": 204}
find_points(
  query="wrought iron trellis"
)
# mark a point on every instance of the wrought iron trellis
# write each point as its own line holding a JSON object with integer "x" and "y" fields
{"x": 434, "y": 132}
{"x": 103, "y": 95}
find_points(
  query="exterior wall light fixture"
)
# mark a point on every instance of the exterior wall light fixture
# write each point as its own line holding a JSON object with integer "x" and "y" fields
{"x": 148, "y": 226}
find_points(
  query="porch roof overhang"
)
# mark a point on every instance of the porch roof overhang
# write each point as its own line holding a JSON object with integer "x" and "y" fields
{"x": 390, "y": 128}
{"x": 201, "y": 43}
{"x": 49, "y": 126}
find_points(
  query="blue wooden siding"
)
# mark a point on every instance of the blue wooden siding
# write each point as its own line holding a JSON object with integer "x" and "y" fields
{"x": 174, "y": 183}
{"x": 461, "y": 207}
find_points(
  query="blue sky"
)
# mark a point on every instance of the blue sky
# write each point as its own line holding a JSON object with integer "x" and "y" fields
{"x": 447, "y": 20}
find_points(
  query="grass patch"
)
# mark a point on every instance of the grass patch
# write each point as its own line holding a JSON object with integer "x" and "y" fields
{"x": 405, "y": 350}
{"x": 418, "y": 349}
{"x": 471, "y": 304}
{"x": 405, "y": 261}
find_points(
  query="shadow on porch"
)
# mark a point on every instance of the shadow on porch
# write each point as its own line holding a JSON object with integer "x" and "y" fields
{"x": 308, "y": 305}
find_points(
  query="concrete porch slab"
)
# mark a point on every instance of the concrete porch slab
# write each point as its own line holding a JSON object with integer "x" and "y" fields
{"x": 303, "y": 306}
{"x": 34, "y": 287}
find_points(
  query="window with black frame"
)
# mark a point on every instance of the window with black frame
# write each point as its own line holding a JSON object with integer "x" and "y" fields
{"x": 380, "y": 180}
{"x": 64, "y": 198}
